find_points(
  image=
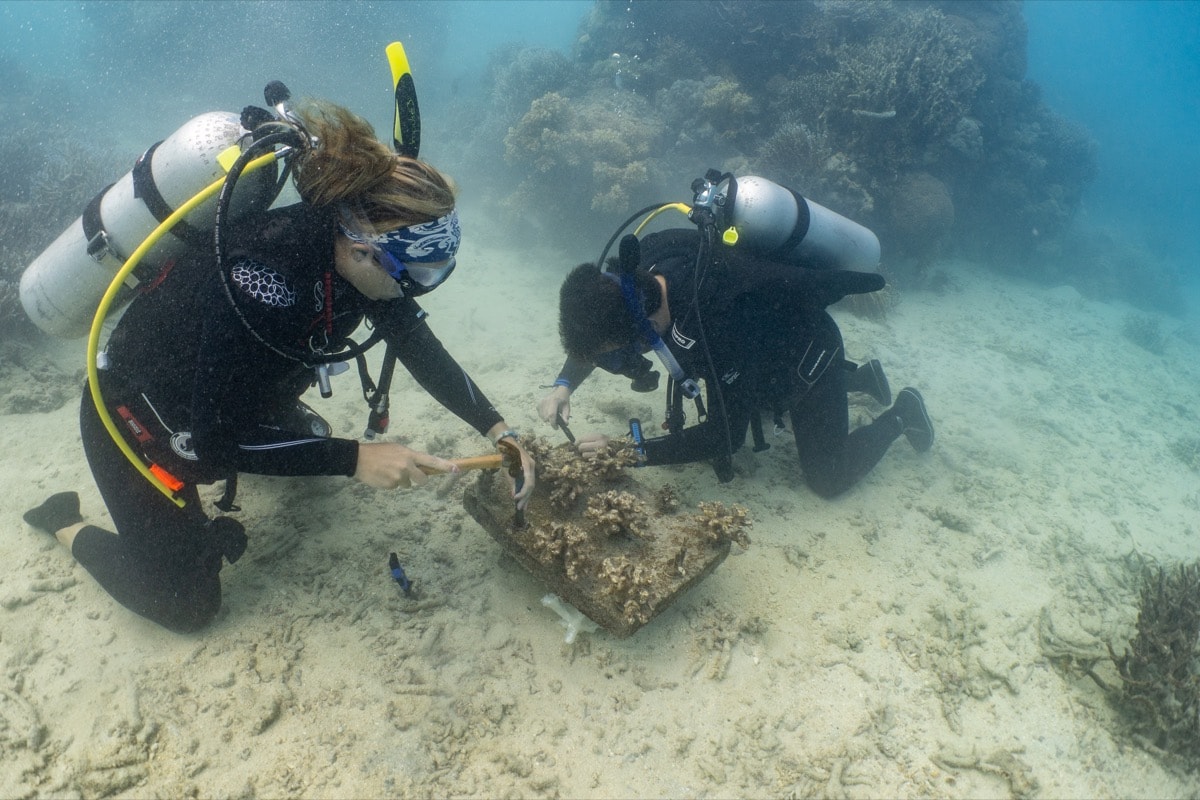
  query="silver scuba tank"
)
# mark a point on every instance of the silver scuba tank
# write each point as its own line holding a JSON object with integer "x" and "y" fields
{"x": 62, "y": 288}
{"x": 779, "y": 223}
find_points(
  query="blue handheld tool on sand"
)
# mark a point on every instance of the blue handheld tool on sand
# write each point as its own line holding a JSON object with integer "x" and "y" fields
{"x": 398, "y": 573}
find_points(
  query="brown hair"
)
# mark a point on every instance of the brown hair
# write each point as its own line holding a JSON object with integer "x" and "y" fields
{"x": 349, "y": 166}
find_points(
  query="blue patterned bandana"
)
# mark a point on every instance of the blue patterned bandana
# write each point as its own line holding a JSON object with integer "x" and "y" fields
{"x": 410, "y": 253}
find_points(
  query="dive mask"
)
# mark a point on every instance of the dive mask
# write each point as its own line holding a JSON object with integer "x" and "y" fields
{"x": 419, "y": 257}
{"x": 630, "y": 362}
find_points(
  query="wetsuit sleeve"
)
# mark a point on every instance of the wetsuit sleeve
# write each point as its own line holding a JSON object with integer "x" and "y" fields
{"x": 236, "y": 377}
{"x": 427, "y": 360}
{"x": 573, "y": 373}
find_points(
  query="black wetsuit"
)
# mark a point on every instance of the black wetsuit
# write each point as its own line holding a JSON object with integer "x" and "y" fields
{"x": 773, "y": 347}
{"x": 200, "y": 396}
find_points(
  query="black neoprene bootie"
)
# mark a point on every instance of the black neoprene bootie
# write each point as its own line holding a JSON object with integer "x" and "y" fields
{"x": 228, "y": 536}
{"x": 869, "y": 379}
{"x": 59, "y": 511}
{"x": 916, "y": 425}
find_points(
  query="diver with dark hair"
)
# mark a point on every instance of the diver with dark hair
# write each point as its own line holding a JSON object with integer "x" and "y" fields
{"x": 755, "y": 331}
{"x": 203, "y": 380}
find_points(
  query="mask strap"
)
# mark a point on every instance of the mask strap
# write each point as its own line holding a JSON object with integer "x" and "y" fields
{"x": 636, "y": 306}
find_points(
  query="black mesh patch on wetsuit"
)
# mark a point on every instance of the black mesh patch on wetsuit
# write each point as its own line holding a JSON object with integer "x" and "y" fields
{"x": 263, "y": 284}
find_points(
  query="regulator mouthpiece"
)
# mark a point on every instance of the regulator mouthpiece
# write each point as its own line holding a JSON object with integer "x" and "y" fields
{"x": 276, "y": 94}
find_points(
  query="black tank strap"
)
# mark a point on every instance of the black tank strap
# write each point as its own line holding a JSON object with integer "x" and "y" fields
{"x": 800, "y": 229}
{"x": 98, "y": 245}
{"x": 145, "y": 188}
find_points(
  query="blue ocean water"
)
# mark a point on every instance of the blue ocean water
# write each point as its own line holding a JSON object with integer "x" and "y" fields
{"x": 119, "y": 61}
{"x": 471, "y": 695}
{"x": 1129, "y": 70}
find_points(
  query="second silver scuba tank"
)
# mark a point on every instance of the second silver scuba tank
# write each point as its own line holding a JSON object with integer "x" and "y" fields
{"x": 777, "y": 222}
{"x": 63, "y": 286}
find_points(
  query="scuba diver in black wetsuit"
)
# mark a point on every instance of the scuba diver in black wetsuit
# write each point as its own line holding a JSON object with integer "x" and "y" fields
{"x": 753, "y": 328}
{"x": 204, "y": 372}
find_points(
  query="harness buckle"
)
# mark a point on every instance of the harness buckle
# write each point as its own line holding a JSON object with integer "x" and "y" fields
{"x": 99, "y": 247}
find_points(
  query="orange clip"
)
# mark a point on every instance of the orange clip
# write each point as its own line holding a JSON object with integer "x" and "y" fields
{"x": 168, "y": 480}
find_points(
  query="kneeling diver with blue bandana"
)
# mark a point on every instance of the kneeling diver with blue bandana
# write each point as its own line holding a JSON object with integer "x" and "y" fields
{"x": 204, "y": 371}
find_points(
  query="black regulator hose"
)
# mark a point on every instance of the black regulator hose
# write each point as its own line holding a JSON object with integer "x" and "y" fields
{"x": 616, "y": 234}
{"x": 293, "y": 140}
{"x": 704, "y": 257}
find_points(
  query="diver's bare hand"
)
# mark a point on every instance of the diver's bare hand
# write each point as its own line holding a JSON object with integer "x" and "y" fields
{"x": 591, "y": 444}
{"x": 390, "y": 465}
{"x": 529, "y": 478}
{"x": 557, "y": 403}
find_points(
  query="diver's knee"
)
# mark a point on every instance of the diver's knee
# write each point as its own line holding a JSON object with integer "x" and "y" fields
{"x": 194, "y": 614}
{"x": 191, "y": 620}
{"x": 824, "y": 487}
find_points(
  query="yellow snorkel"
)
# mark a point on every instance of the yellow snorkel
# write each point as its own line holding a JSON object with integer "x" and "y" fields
{"x": 406, "y": 120}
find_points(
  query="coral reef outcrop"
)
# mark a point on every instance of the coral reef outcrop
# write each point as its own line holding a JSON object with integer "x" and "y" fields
{"x": 583, "y": 154}
{"x": 865, "y": 107}
{"x": 920, "y": 214}
{"x": 1159, "y": 668}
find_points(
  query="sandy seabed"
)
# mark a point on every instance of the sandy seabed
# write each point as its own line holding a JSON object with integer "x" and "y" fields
{"x": 908, "y": 639}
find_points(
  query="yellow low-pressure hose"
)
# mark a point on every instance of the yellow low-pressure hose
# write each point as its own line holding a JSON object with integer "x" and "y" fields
{"x": 93, "y": 345}
{"x": 682, "y": 208}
